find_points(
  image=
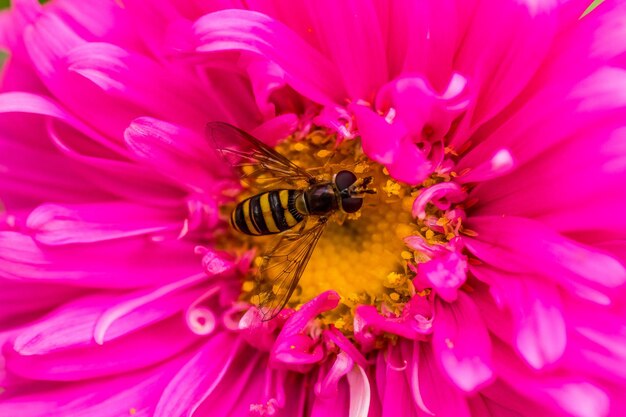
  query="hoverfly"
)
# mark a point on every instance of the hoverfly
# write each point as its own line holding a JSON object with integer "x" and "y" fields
{"x": 282, "y": 208}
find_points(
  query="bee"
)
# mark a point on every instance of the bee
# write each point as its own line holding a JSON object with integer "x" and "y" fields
{"x": 283, "y": 208}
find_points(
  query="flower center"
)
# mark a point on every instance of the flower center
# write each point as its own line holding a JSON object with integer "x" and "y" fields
{"x": 369, "y": 257}
{"x": 361, "y": 256}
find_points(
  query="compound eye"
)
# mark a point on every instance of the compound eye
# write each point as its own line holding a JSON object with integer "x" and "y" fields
{"x": 344, "y": 179}
{"x": 351, "y": 204}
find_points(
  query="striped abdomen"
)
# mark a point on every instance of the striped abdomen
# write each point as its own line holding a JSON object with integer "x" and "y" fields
{"x": 267, "y": 213}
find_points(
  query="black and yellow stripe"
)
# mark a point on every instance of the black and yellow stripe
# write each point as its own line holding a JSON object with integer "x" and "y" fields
{"x": 267, "y": 213}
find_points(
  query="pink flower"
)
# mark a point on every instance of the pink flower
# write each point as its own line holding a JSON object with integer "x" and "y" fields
{"x": 501, "y": 128}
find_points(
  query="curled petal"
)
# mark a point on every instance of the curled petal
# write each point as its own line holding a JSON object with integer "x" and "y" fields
{"x": 442, "y": 195}
{"x": 215, "y": 262}
{"x": 293, "y": 348}
{"x": 329, "y": 384}
{"x": 414, "y": 322}
{"x": 418, "y": 106}
{"x": 258, "y": 332}
{"x": 334, "y": 335}
{"x": 418, "y": 243}
{"x": 337, "y": 119}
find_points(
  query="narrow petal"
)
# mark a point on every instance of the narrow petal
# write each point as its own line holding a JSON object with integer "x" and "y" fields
{"x": 40, "y": 105}
{"x": 335, "y": 406}
{"x": 23, "y": 186}
{"x": 359, "y": 392}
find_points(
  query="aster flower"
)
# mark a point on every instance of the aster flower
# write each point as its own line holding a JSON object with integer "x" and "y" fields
{"x": 485, "y": 277}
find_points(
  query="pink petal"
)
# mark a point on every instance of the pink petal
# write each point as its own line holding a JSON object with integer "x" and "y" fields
{"x": 597, "y": 341}
{"x": 137, "y": 262}
{"x": 446, "y": 273}
{"x": 53, "y": 224}
{"x": 119, "y": 177}
{"x": 395, "y": 390}
{"x": 540, "y": 332}
{"x": 565, "y": 98}
{"x": 359, "y": 392}
{"x": 141, "y": 308}
{"x": 128, "y": 394}
{"x": 206, "y": 369}
{"x": 73, "y": 325}
{"x": 503, "y": 47}
{"x": 176, "y": 151}
{"x": 293, "y": 347}
{"x": 61, "y": 346}
{"x": 24, "y": 187}
{"x": 238, "y": 391}
{"x": 48, "y": 42}
{"x": 574, "y": 394}
{"x": 138, "y": 81}
{"x": 328, "y": 386}
{"x": 501, "y": 163}
{"x": 501, "y": 400}
{"x": 16, "y": 299}
{"x": 305, "y": 69}
{"x": 441, "y": 195}
{"x": 388, "y": 144}
{"x": 417, "y": 105}
{"x": 560, "y": 203}
{"x": 431, "y": 389}
{"x": 40, "y": 105}
{"x": 462, "y": 345}
{"x": 336, "y": 406}
{"x": 590, "y": 273}
{"x": 349, "y": 33}
{"x": 414, "y": 322}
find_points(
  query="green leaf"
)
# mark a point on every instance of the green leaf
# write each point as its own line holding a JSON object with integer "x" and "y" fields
{"x": 4, "y": 4}
{"x": 593, "y": 5}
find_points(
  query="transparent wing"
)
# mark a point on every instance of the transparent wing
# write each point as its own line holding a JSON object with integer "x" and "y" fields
{"x": 258, "y": 164}
{"x": 282, "y": 268}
